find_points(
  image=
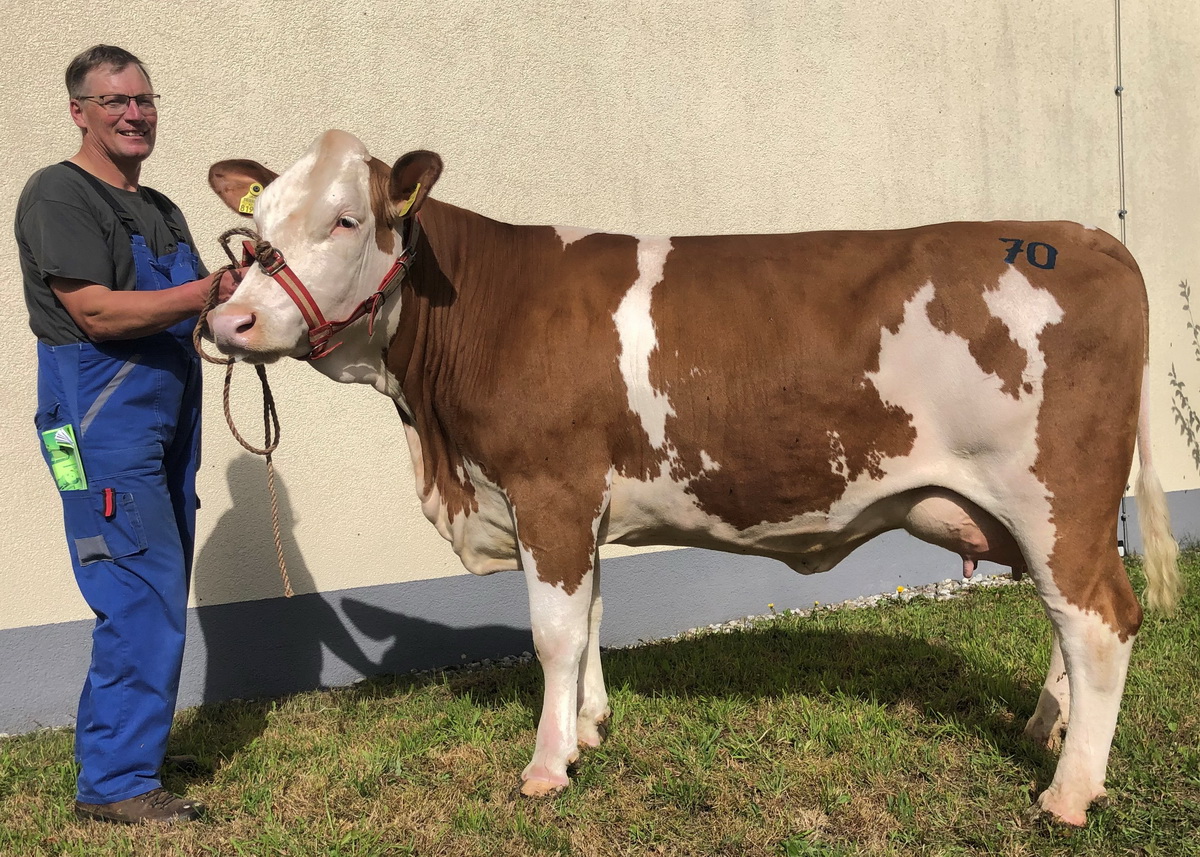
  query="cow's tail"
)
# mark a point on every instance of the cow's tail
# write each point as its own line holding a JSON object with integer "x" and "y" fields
{"x": 1164, "y": 585}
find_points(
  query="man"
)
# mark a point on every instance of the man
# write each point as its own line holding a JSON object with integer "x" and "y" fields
{"x": 112, "y": 283}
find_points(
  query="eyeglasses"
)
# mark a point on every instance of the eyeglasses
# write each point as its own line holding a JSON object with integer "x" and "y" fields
{"x": 116, "y": 105}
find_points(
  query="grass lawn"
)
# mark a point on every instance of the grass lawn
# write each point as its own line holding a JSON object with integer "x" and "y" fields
{"x": 894, "y": 730}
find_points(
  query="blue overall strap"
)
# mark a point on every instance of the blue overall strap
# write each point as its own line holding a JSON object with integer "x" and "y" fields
{"x": 152, "y": 272}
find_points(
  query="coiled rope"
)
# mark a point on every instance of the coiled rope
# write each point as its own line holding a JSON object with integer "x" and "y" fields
{"x": 262, "y": 251}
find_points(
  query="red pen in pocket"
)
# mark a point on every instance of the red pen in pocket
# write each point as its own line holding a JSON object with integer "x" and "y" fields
{"x": 110, "y": 504}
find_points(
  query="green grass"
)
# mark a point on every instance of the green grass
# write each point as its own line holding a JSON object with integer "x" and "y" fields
{"x": 894, "y": 731}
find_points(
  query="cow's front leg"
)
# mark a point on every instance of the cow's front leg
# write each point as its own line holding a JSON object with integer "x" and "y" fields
{"x": 559, "y": 613}
{"x": 557, "y": 524}
{"x": 593, "y": 698}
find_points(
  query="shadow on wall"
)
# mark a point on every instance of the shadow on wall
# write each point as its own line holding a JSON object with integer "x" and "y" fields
{"x": 273, "y": 646}
{"x": 407, "y": 643}
{"x": 262, "y": 647}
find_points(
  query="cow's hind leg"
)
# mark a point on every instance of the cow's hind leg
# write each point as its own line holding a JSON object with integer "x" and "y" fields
{"x": 593, "y": 697}
{"x": 1095, "y": 617}
{"x": 1048, "y": 724}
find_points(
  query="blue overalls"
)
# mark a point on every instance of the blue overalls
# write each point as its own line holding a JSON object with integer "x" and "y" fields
{"x": 135, "y": 409}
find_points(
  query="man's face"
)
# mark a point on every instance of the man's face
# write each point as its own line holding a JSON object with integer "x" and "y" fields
{"x": 128, "y": 136}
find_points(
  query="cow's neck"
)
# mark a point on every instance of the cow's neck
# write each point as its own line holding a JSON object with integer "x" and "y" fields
{"x": 465, "y": 265}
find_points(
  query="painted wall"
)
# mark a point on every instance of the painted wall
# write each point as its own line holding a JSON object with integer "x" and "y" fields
{"x": 662, "y": 117}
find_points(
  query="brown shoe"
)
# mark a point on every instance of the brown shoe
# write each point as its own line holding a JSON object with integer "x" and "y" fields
{"x": 155, "y": 806}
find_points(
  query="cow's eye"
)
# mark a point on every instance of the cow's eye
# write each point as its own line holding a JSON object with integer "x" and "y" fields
{"x": 347, "y": 223}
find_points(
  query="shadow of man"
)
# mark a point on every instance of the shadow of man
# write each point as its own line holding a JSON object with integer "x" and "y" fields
{"x": 266, "y": 646}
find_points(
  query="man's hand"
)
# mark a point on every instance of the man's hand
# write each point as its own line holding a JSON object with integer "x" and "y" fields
{"x": 230, "y": 280}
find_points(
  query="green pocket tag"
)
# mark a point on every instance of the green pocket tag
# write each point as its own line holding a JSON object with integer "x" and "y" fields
{"x": 65, "y": 462}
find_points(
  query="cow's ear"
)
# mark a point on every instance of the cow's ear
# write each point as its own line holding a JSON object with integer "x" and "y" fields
{"x": 413, "y": 176}
{"x": 239, "y": 182}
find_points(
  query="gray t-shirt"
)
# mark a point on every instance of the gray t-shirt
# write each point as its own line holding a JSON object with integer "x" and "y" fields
{"x": 65, "y": 229}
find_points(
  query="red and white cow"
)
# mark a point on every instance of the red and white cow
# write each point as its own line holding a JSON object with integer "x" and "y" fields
{"x": 980, "y": 385}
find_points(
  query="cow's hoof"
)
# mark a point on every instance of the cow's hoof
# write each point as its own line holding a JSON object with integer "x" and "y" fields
{"x": 592, "y": 734}
{"x": 542, "y": 788}
{"x": 1054, "y": 809}
{"x": 539, "y": 780}
{"x": 1037, "y": 816}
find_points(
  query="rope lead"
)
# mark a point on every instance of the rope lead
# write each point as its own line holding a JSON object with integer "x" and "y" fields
{"x": 270, "y": 417}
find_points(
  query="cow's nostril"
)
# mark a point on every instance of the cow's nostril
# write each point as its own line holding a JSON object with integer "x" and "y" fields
{"x": 246, "y": 324}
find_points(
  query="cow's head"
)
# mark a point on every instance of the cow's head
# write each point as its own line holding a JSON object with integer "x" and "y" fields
{"x": 334, "y": 215}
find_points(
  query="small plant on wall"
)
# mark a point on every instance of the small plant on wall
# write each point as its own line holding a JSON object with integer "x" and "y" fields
{"x": 1181, "y": 407}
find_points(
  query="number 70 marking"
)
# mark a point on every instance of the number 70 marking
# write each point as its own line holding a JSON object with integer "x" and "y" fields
{"x": 1039, "y": 254}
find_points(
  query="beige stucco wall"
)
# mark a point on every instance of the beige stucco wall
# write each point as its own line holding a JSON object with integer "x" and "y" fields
{"x": 661, "y": 117}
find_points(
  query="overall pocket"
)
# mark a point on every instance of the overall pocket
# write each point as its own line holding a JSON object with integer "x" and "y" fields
{"x": 103, "y": 524}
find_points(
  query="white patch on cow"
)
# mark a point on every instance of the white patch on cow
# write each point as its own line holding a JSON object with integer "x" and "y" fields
{"x": 1026, "y": 311}
{"x": 837, "y": 454}
{"x": 635, "y": 327}
{"x": 986, "y": 451}
{"x": 388, "y": 384}
{"x": 570, "y": 234}
{"x": 483, "y": 538}
{"x": 1090, "y": 228}
{"x": 432, "y": 504}
{"x": 655, "y": 505}
{"x": 707, "y": 462}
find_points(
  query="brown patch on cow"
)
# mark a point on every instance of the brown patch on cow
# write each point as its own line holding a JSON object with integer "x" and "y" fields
{"x": 966, "y": 315}
{"x": 1087, "y": 427}
{"x": 411, "y": 357}
{"x": 381, "y": 207}
{"x": 756, "y": 329}
{"x": 497, "y": 326}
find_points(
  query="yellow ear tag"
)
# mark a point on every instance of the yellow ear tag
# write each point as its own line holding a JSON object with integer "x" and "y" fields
{"x": 408, "y": 202}
{"x": 246, "y": 203}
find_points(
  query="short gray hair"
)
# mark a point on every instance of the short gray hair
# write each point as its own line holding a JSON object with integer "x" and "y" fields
{"x": 95, "y": 57}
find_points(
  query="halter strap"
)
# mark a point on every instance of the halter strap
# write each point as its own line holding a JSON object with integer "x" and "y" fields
{"x": 273, "y": 264}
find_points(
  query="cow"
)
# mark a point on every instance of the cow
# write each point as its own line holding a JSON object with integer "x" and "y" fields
{"x": 979, "y": 385}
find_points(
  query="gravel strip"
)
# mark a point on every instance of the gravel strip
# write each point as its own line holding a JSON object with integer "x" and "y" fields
{"x": 943, "y": 590}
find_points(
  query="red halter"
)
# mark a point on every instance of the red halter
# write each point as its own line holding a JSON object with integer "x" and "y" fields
{"x": 319, "y": 330}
